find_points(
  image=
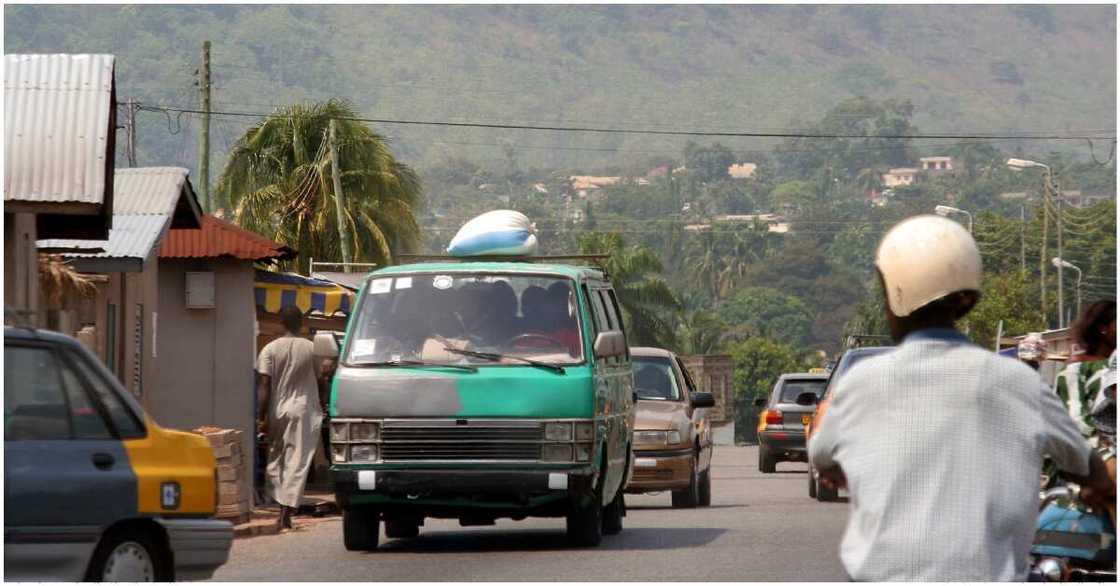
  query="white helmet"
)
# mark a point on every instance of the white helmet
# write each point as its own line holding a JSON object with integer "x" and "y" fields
{"x": 925, "y": 258}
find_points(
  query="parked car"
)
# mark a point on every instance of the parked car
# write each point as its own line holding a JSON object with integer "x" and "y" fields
{"x": 849, "y": 359}
{"x": 781, "y": 425}
{"x": 478, "y": 390}
{"x": 672, "y": 432}
{"x": 94, "y": 490}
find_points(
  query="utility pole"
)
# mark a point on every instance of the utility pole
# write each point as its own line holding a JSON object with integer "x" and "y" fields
{"x": 336, "y": 175}
{"x": 1042, "y": 254}
{"x": 204, "y": 129}
{"x": 130, "y": 132}
{"x": 1061, "y": 294}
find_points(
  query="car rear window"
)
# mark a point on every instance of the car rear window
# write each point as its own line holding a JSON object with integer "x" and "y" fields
{"x": 792, "y": 388}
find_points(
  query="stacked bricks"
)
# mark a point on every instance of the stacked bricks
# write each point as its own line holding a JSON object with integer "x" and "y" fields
{"x": 233, "y": 499}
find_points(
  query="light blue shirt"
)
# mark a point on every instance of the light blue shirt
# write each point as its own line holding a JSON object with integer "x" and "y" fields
{"x": 941, "y": 443}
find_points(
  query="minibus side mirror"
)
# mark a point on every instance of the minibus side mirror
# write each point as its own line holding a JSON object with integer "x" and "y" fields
{"x": 610, "y": 344}
{"x": 760, "y": 402}
{"x": 325, "y": 345}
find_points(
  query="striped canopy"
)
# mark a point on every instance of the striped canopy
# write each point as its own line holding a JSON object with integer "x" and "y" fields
{"x": 274, "y": 291}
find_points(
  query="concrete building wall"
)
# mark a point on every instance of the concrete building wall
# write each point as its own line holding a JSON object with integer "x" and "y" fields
{"x": 206, "y": 357}
{"x": 714, "y": 373}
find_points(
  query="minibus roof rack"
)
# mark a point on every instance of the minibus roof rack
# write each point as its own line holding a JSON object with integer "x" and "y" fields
{"x": 415, "y": 258}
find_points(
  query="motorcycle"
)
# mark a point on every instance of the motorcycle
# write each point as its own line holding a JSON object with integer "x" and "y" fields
{"x": 1074, "y": 542}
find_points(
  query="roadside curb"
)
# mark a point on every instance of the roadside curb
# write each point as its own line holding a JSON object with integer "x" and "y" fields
{"x": 263, "y": 522}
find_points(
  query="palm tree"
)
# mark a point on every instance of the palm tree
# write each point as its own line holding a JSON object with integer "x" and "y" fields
{"x": 278, "y": 181}
{"x": 701, "y": 332}
{"x": 644, "y": 296}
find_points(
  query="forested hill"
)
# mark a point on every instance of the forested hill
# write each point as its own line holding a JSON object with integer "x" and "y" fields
{"x": 966, "y": 68}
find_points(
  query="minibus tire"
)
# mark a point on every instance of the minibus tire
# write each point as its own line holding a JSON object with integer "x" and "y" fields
{"x": 361, "y": 528}
{"x": 585, "y": 523}
{"x": 613, "y": 513}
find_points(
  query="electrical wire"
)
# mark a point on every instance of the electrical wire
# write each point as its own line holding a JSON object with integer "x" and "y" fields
{"x": 648, "y": 131}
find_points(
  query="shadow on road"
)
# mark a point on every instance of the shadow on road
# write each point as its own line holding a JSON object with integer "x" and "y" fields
{"x": 630, "y": 507}
{"x": 640, "y": 538}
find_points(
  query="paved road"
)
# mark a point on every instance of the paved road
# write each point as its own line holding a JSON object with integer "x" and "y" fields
{"x": 760, "y": 527}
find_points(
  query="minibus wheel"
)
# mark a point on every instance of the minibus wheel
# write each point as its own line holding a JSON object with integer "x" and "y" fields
{"x": 360, "y": 529}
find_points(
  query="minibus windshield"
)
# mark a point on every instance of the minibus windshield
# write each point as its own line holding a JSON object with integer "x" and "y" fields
{"x": 427, "y": 317}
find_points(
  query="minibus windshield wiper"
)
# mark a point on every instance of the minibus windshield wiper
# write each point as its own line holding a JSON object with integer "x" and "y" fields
{"x": 413, "y": 363}
{"x": 494, "y": 356}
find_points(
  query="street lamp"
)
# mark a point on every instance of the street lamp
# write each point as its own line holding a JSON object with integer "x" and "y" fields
{"x": 946, "y": 210}
{"x": 1060, "y": 263}
{"x": 1052, "y": 189}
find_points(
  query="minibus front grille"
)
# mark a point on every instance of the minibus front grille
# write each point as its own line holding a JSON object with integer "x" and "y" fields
{"x": 469, "y": 440}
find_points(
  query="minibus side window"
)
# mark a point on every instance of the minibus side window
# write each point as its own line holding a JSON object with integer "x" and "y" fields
{"x": 611, "y": 301}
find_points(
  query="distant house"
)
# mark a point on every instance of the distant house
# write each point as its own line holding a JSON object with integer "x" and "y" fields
{"x": 741, "y": 170}
{"x": 659, "y": 171}
{"x": 900, "y": 177}
{"x": 936, "y": 164}
{"x": 582, "y": 184}
{"x": 147, "y": 203}
{"x": 1079, "y": 200}
{"x": 1014, "y": 195}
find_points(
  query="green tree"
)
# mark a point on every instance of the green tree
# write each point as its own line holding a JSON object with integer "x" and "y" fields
{"x": 648, "y": 303}
{"x": 1010, "y": 297}
{"x": 760, "y": 361}
{"x": 278, "y": 183}
{"x": 708, "y": 163}
{"x": 701, "y": 332}
{"x": 770, "y": 313}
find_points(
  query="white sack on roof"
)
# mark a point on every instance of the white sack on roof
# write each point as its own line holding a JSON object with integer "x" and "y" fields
{"x": 500, "y": 232}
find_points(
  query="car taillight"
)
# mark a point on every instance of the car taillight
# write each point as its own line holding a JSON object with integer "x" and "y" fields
{"x": 773, "y": 417}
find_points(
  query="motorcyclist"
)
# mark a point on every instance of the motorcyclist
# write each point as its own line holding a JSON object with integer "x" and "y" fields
{"x": 939, "y": 441}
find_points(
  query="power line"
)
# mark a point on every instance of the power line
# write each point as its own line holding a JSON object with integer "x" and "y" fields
{"x": 648, "y": 131}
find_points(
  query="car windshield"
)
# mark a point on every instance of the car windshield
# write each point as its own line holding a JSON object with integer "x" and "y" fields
{"x": 654, "y": 379}
{"x": 419, "y": 317}
{"x": 794, "y": 387}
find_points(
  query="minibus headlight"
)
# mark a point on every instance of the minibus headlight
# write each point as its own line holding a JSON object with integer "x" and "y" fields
{"x": 558, "y": 432}
{"x": 339, "y": 431}
{"x": 339, "y": 452}
{"x": 585, "y": 431}
{"x": 363, "y": 453}
{"x": 583, "y": 452}
{"x": 363, "y": 432}
{"x": 556, "y": 453}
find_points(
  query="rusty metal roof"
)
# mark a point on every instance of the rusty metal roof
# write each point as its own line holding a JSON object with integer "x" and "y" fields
{"x": 157, "y": 190}
{"x": 58, "y": 128}
{"x": 219, "y": 238}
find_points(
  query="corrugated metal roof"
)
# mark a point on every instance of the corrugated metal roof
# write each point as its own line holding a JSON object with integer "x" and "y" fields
{"x": 157, "y": 190}
{"x": 57, "y": 135}
{"x": 147, "y": 190}
{"x": 220, "y": 238}
{"x": 132, "y": 236}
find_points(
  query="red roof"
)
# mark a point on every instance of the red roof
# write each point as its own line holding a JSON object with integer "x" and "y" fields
{"x": 221, "y": 238}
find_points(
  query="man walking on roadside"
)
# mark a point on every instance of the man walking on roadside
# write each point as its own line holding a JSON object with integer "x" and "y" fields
{"x": 289, "y": 412}
{"x": 940, "y": 442}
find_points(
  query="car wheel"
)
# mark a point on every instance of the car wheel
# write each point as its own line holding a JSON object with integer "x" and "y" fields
{"x": 129, "y": 556}
{"x": 687, "y": 499}
{"x": 613, "y": 513}
{"x": 360, "y": 529}
{"x": 706, "y": 488}
{"x": 766, "y": 463}
{"x": 824, "y": 493}
{"x": 401, "y": 529}
{"x": 812, "y": 483}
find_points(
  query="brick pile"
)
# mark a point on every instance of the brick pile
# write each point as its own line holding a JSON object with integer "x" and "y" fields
{"x": 233, "y": 499}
